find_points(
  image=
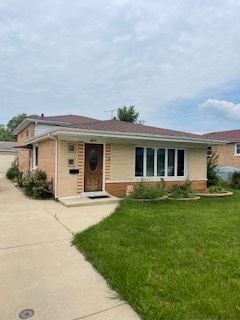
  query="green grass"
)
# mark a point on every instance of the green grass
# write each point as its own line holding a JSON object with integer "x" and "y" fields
{"x": 172, "y": 259}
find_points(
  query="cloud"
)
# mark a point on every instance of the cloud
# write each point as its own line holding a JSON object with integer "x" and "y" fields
{"x": 221, "y": 109}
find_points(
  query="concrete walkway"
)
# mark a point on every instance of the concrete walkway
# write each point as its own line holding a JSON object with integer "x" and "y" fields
{"x": 40, "y": 270}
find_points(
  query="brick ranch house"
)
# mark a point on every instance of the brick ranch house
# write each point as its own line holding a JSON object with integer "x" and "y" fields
{"x": 228, "y": 153}
{"x": 84, "y": 155}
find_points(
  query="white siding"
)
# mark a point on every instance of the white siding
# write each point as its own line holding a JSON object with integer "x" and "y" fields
{"x": 41, "y": 128}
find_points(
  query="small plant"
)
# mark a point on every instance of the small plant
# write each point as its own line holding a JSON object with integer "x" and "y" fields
{"x": 216, "y": 189}
{"x": 144, "y": 190}
{"x": 12, "y": 172}
{"x": 182, "y": 191}
{"x": 235, "y": 180}
{"x": 212, "y": 163}
{"x": 36, "y": 186}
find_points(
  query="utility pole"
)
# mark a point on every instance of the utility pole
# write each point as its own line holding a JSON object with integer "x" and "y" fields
{"x": 111, "y": 112}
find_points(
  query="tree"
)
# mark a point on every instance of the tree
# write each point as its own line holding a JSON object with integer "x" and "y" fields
{"x": 15, "y": 121}
{"x": 212, "y": 163}
{"x": 4, "y": 135}
{"x": 128, "y": 114}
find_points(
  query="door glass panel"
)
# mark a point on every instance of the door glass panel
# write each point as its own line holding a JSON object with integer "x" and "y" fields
{"x": 93, "y": 160}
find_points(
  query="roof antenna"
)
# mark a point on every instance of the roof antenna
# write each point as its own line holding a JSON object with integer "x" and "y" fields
{"x": 111, "y": 113}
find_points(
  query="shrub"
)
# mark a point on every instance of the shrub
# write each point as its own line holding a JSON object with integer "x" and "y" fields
{"x": 216, "y": 189}
{"x": 235, "y": 180}
{"x": 182, "y": 190}
{"x": 12, "y": 172}
{"x": 212, "y": 163}
{"x": 144, "y": 190}
{"x": 36, "y": 186}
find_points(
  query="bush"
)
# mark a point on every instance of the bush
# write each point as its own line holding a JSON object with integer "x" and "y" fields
{"x": 182, "y": 191}
{"x": 216, "y": 189}
{"x": 235, "y": 180}
{"x": 143, "y": 190}
{"x": 212, "y": 163}
{"x": 12, "y": 172}
{"x": 36, "y": 186}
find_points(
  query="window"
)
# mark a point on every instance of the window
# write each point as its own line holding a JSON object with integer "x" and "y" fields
{"x": 237, "y": 149}
{"x": 71, "y": 148}
{"x": 27, "y": 133}
{"x": 139, "y": 162}
{"x": 71, "y": 162}
{"x": 150, "y": 162}
{"x": 159, "y": 162}
{"x": 35, "y": 157}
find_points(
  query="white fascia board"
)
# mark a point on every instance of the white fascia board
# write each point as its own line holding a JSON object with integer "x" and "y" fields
{"x": 124, "y": 135}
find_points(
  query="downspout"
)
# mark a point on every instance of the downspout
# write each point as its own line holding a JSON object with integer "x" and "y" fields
{"x": 56, "y": 165}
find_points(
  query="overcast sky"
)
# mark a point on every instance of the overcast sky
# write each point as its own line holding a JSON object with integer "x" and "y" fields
{"x": 177, "y": 61}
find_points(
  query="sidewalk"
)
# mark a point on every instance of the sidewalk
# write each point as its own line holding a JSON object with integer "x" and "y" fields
{"x": 40, "y": 270}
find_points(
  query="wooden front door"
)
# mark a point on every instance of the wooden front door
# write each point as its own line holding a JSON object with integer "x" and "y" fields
{"x": 93, "y": 167}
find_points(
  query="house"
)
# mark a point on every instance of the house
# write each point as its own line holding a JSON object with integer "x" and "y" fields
{"x": 7, "y": 155}
{"x": 83, "y": 155}
{"x": 229, "y": 153}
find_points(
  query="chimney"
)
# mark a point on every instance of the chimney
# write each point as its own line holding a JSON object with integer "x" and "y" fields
{"x": 42, "y": 115}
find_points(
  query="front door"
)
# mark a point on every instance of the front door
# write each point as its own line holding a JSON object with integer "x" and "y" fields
{"x": 93, "y": 167}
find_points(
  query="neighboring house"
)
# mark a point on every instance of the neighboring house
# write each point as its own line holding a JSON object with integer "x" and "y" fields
{"x": 7, "y": 155}
{"x": 84, "y": 155}
{"x": 229, "y": 153}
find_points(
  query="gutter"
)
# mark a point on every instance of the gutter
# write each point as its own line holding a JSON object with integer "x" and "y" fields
{"x": 56, "y": 164}
{"x": 126, "y": 135}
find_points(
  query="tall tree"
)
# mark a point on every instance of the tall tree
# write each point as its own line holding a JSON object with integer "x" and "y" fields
{"x": 15, "y": 121}
{"x": 4, "y": 135}
{"x": 128, "y": 114}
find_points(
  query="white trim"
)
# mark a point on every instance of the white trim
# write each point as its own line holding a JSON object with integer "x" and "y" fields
{"x": 165, "y": 177}
{"x": 34, "y": 167}
{"x": 235, "y": 150}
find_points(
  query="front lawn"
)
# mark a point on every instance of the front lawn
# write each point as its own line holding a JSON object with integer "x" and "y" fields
{"x": 171, "y": 260}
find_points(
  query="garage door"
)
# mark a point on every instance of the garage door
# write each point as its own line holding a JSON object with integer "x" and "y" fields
{"x": 6, "y": 160}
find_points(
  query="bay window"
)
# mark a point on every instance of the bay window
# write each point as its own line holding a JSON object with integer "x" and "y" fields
{"x": 159, "y": 162}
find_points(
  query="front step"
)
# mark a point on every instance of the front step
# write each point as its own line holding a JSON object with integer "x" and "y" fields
{"x": 85, "y": 201}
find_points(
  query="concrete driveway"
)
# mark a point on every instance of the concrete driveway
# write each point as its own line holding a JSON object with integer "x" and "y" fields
{"x": 39, "y": 268}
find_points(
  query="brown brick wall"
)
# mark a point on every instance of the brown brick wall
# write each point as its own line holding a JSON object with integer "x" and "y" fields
{"x": 23, "y": 161}
{"x": 120, "y": 189}
{"x": 46, "y": 158}
{"x": 80, "y": 166}
{"x": 226, "y": 156}
{"x": 24, "y": 156}
{"x": 22, "y": 136}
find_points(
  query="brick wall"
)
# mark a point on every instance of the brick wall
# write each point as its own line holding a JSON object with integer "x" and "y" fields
{"x": 119, "y": 189}
{"x": 24, "y": 156}
{"x": 46, "y": 158}
{"x": 80, "y": 166}
{"x": 226, "y": 156}
{"x": 67, "y": 183}
{"x": 121, "y": 162}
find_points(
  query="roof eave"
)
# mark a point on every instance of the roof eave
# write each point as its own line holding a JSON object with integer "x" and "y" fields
{"x": 126, "y": 135}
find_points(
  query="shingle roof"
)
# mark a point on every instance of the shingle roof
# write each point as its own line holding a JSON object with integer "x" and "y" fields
{"x": 231, "y": 135}
{"x": 68, "y": 119}
{"x": 7, "y": 146}
{"x": 122, "y": 126}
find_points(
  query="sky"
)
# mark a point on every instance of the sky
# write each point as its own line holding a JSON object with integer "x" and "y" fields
{"x": 177, "y": 62}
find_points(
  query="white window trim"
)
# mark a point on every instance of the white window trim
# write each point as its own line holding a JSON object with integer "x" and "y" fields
{"x": 235, "y": 150}
{"x": 165, "y": 177}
